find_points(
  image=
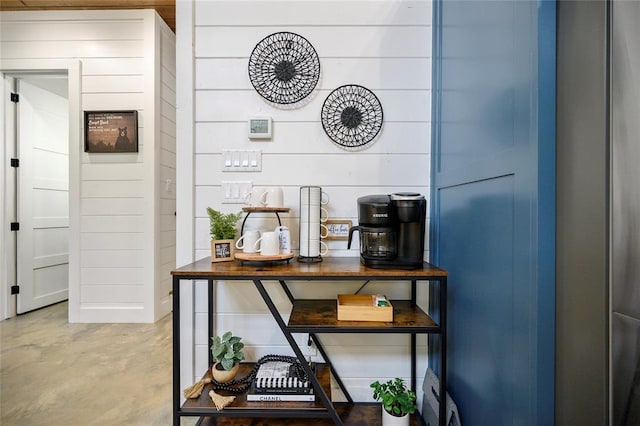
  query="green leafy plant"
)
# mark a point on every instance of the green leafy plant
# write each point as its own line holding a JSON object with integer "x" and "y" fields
{"x": 227, "y": 350}
{"x": 396, "y": 398}
{"x": 222, "y": 226}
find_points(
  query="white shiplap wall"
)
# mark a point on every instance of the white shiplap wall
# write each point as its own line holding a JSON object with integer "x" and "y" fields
{"x": 119, "y": 202}
{"x": 166, "y": 245}
{"x": 382, "y": 45}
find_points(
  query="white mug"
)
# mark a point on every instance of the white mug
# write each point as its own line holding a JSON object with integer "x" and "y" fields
{"x": 311, "y": 231}
{"x": 313, "y": 248}
{"x": 248, "y": 241}
{"x": 313, "y": 214}
{"x": 272, "y": 197}
{"x": 313, "y": 195}
{"x": 269, "y": 244}
{"x": 253, "y": 198}
{"x": 284, "y": 239}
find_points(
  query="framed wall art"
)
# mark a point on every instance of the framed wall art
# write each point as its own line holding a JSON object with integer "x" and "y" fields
{"x": 337, "y": 229}
{"x": 352, "y": 117}
{"x": 110, "y": 131}
{"x": 284, "y": 68}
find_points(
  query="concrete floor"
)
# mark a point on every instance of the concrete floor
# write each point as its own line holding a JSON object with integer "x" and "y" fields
{"x": 56, "y": 373}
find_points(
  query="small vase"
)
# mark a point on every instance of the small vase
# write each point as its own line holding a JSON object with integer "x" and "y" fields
{"x": 224, "y": 376}
{"x": 391, "y": 420}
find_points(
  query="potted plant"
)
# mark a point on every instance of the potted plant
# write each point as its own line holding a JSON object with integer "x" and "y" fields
{"x": 397, "y": 401}
{"x": 222, "y": 228}
{"x": 228, "y": 352}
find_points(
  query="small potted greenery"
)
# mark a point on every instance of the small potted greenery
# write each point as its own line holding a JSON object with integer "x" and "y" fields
{"x": 397, "y": 401}
{"x": 222, "y": 228}
{"x": 228, "y": 352}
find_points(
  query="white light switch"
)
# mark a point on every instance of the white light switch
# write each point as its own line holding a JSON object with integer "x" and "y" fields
{"x": 235, "y": 192}
{"x": 241, "y": 160}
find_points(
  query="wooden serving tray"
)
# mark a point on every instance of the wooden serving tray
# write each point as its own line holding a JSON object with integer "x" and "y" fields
{"x": 360, "y": 307}
{"x": 266, "y": 209}
{"x": 257, "y": 257}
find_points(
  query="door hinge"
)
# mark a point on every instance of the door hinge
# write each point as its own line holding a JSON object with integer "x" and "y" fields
{"x": 15, "y": 289}
{"x": 15, "y": 97}
{"x": 15, "y": 162}
{"x": 15, "y": 226}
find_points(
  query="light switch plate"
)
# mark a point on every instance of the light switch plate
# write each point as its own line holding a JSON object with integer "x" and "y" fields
{"x": 235, "y": 192}
{"x": 241, "y": 160}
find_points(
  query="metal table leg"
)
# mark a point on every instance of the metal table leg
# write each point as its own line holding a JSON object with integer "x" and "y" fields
{"x": 443, "y": 352}
{"x": 176, "y": 350}
{"x": 323, "y": 353}
{"x": 296, "y": 349}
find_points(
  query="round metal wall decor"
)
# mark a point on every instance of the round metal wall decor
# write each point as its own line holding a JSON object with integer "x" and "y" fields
{"x": 352, "y": 116}
{"x": 284, "y": 68}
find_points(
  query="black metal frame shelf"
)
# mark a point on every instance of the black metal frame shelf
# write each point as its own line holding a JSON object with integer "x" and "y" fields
{"x": 409, "y": 318}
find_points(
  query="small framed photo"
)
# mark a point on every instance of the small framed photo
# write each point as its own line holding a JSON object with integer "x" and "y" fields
{"x": 222, "y": 250}
{"x": 110, "y": 131}
{"x": 337, "y": 229}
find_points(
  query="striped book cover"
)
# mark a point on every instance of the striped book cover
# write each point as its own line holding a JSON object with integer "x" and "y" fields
{"x": 279, "y": 375}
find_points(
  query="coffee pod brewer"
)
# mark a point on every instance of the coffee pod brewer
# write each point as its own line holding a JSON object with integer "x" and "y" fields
{"x": 391, "y": 230}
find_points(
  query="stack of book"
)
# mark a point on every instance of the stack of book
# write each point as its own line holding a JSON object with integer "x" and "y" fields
{"x": 277, "y": 381}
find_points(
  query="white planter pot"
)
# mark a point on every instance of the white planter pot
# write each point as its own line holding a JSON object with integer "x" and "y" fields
{"x": 389, "y": 420}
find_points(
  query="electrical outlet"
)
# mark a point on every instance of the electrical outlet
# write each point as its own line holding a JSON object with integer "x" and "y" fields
{"x": 235, "y": 192}
{"x": 309, "y": 348}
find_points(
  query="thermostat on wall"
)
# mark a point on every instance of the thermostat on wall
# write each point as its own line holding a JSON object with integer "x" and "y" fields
{"x": 260, "y": 128}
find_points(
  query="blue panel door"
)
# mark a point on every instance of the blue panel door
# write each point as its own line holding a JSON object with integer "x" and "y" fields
{"x": 493, "y": 208}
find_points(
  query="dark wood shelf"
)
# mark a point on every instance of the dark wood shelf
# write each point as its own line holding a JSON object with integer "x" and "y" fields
{"x": 266, "y": 209}
{"x": 320, "y": 316}
{"x": 241, "y": 404}
{"x": 357, "y": 414}
{"x": 338, "y": 268}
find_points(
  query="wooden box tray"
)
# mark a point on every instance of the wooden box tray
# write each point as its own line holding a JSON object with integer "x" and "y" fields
{"x": 361, "y": 307}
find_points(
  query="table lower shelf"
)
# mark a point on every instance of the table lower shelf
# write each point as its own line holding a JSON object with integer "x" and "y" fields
{"x": 321, "y": 316}
{"x": 356, "y": 414}
{"x": 203, "y": 403}
{"x": 242, "y": 412}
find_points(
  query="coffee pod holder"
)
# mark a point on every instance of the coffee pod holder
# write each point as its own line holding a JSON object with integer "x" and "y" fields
{"x": 308, "y": 222}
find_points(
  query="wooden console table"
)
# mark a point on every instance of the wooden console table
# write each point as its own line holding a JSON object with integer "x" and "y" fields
{"x": 313, "y": 317}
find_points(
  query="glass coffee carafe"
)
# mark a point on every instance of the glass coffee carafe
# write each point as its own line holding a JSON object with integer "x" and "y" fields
{"x": 376, "y": 242}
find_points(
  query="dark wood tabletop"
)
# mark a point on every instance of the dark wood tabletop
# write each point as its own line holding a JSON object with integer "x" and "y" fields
{"x": 330, "y": 268}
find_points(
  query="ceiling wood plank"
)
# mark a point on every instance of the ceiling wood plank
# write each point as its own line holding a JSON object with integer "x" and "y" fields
{"x": 165, "y": 8}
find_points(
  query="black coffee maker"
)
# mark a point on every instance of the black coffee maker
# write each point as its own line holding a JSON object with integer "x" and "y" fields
{"x": 391, "y": 230}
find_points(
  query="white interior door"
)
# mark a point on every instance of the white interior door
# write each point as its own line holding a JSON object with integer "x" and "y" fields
{"x": 42, "y": 196}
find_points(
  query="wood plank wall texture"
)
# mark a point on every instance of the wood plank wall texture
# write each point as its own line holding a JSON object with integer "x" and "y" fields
{"x": 382, "y": 45}
{"x": 165, "y": 246}
{"x": 123, "y": 198}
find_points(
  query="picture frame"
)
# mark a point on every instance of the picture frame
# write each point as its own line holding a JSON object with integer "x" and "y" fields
{"x": 338, "y": 229}
{"x": 111, "y": 131}
{"x": 222, "y": 250}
